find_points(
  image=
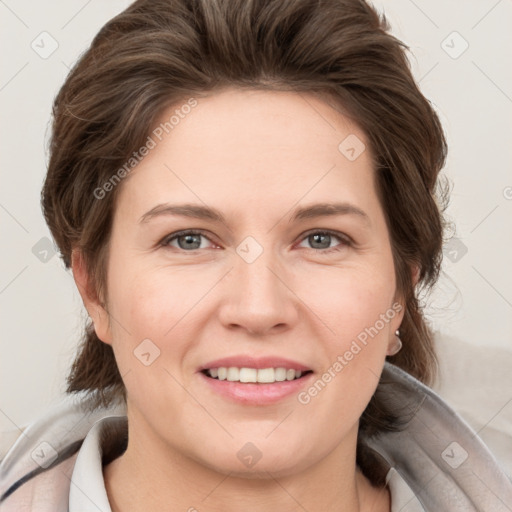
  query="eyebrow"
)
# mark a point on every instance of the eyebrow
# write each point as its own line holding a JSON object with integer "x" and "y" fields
{"x": 326, "y": 209}
{"x": 208, "y": 213}
{"x": 185, "y": 210}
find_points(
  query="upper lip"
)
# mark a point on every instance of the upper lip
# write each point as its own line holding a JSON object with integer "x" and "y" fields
{"x": 243, "y": 361}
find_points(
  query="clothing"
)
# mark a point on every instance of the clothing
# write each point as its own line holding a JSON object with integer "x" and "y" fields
{"x": 436, "y": 463}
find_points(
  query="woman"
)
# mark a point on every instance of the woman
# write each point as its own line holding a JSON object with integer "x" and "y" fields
{"x": 246, "y": 195}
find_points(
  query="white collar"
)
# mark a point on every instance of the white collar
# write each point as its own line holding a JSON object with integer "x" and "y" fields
{"x": 87, "y": 490}
{"x": 402, "y": 496}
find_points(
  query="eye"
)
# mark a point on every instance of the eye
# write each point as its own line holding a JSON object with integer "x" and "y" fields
{"x": 186, "y": 240}
{"x": 322, "y": 240}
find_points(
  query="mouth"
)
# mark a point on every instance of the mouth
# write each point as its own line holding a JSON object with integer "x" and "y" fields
{"x": 248, "y": 375}
{"x": 260, "y": 381}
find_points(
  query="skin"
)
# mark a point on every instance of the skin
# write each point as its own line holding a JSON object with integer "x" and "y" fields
{"x": 255, "y": 156}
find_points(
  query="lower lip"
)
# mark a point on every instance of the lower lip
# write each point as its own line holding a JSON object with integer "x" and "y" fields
{"x": 256, "y": 394}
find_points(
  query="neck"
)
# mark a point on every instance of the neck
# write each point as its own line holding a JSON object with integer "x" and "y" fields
{"x": 154, "y": 477}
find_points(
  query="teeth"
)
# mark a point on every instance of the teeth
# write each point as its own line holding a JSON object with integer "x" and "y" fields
{"x": 280, "y": 374}
{"x": 264, "y": 375}
{"x": 233, "y": 374}
{"x": 248, "y": 375}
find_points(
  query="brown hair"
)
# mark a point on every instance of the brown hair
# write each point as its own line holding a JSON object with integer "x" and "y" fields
{"x": 157, "y": 53}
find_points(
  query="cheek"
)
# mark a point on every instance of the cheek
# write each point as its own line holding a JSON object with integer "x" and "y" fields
{"x": 356, "y": 314}
{"x": 348, "y": 301}
{"x": 159, "y": 304}
{"x": 150, "y": 342}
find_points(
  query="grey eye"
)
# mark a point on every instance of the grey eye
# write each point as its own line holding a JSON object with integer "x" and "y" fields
{"x": 320, "y": 240}
{"x": 189, "y": 241}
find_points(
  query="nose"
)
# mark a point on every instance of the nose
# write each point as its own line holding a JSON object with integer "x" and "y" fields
{"x": 258, "y": 297}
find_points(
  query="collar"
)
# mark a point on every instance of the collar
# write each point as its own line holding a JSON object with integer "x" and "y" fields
{"x": 87, "y": 490}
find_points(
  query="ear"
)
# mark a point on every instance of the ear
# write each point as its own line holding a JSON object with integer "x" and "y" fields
{"x": 92, "y": 303}
{"x": 415, "y": 275}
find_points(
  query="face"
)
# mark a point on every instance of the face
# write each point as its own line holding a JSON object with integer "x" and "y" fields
{"x": 249, "y": 238}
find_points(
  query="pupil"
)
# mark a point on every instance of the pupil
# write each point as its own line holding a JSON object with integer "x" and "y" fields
{"x": 190, "y": 241}
{"x": 317, "y": 240}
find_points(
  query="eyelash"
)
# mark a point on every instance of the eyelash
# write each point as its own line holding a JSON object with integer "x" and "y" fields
{"x": 345, "y": 240}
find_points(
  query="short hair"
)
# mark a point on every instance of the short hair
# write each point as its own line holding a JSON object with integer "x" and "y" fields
{"x": 158, "y": 53}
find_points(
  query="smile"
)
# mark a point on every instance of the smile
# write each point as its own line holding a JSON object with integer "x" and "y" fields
{"x": 255, "y": 380}
{"x": 254, "y": 375}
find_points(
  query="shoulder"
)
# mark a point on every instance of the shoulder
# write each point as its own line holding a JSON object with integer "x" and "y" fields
{"x": 476, "y": 381}
{"x": 440, "y": 457}
{"x": 36, "y": 471}
{"x": 47, "y": 491}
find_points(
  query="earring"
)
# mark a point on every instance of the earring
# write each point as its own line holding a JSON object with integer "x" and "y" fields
{"x": 395, "y": 348}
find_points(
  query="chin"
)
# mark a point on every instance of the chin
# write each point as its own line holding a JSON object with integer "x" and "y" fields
{"x": 258, "y": 459}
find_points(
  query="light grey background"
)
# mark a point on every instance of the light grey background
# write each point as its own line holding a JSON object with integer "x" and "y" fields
{"x": 41, "y": 311}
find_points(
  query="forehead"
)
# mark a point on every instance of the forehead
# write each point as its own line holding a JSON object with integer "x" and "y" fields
{"x": 247, "y": 121}
{"x": 249, "y": 145}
